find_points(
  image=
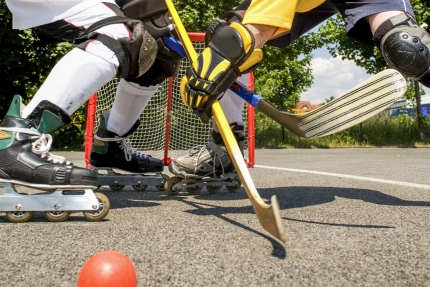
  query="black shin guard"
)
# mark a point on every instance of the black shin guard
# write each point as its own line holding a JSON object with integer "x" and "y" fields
{"x": 238, "y": 130}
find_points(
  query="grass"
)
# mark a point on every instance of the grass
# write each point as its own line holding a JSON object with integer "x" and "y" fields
{"x": 376, "y": 132}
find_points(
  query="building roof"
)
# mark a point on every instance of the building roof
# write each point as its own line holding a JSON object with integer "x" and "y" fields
{"x": 305, "y": 106}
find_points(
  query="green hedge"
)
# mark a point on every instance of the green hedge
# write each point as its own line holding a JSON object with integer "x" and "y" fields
{"x": 378, "y": 131}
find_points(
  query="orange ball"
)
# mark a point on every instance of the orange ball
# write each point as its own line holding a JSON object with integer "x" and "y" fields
{"x": 108, "y": 269}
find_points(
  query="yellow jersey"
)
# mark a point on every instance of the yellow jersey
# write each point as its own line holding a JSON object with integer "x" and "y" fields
{"x": 278, "y": 13}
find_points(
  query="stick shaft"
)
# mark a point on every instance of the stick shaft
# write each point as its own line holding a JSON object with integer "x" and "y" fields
{"x": 268, "y": 215}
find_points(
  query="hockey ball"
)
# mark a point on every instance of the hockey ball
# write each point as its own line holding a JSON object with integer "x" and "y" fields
{"x": 108, "y": 269}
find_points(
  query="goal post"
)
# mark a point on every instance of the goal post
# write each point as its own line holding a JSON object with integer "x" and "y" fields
{"x": 168, "y": 129}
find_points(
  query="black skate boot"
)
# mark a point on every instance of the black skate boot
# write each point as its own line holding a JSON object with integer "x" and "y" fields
{"x": 210, "y": 160}
{"x": 24, "y": 151}
{"x": 113, "y": 151}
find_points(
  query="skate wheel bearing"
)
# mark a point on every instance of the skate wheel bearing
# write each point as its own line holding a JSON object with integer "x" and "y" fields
{"x": 99, "y": 214}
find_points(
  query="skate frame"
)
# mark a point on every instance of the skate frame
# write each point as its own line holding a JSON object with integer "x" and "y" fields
{"x": 108, "y": 176}
{"x": 58, "y": 200}
{"x": 269, "y": 215}
{"x": 361, "y": 103}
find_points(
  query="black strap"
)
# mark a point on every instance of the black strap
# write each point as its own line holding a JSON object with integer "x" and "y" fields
{"x": 108, "y": 41}
{"x": 90, "y": 34}
{"x": 401, "y": 19}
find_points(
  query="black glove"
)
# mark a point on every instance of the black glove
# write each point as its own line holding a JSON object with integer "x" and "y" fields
{"x": 230, "y": 53}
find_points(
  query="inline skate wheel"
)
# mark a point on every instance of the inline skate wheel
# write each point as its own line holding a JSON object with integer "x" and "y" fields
{"x": 102, "y": 211}
{"x": 139, "y": 187}
{"x": 116, "y": 187}
{"x": 235, "y": 187}
{"x": 171, "y": 186}
{"x": 214, "y": 189}
{"x": 19, "y": 216}
{"x": 160, "y": 187}
{"x": 57, "y": 216}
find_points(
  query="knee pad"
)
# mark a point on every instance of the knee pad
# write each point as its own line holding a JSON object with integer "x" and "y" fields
{"x": 405, "y": 46}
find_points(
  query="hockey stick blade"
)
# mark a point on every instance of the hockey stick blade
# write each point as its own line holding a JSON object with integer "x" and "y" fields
{"x": 361, "y": 103}
{"x": 269, "y": 215}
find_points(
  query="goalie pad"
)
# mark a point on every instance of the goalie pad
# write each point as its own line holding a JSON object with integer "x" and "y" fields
{"x": 405, "y": 47}
{"x": 157, "y": 21}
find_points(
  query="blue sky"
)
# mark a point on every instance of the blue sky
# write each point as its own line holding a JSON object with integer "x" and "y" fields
{"x": 333, "y": 77}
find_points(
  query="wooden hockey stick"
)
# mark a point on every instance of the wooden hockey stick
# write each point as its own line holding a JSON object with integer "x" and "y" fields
{"x": 269, "y": 215}
{"x": 360, "y": 103}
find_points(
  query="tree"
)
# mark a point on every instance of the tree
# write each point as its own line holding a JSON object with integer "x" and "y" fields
{"x": 328, "y": 100}
{"x": 26, "y": 57}
{"x": 196, "y": 15}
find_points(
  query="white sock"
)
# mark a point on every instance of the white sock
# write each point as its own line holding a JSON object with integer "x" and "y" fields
{"x": 72, "y": 81}
{"x": 232, "y": 104}
{"x": 130, "y": 101}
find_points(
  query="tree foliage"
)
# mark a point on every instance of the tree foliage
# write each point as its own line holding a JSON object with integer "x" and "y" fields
{"x": 196, "y": 15}
{"x": 26, "y": 57}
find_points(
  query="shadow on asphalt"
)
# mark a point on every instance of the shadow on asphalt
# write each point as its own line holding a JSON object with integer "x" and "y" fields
{"x": 289, "y": 197}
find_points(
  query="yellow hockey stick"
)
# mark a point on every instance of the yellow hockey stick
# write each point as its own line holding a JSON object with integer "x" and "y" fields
{"x": 268, "y": 214}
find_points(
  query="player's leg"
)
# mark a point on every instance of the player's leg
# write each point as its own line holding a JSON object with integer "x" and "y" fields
{"x": 112, "y": 147}
{"x": 72, "y": 81}
{"x": 391, "y": 26}
{"x": 213, "y": 159}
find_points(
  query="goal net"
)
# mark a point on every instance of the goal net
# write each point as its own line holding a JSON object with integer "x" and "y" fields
{"x": 168, "y": 129}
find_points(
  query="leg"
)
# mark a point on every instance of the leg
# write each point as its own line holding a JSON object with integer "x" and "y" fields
{"x": 404, "y": 45}
{"x": 27, "y": 133}
{"x": 213, "y": 159}
{"x": 111, "y": 148}
{"x": 391, "y": 26}
{"x": 376, "y": 20}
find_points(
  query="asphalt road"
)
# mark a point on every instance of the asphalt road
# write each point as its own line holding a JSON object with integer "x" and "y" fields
{"x": 353, "y": 217}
